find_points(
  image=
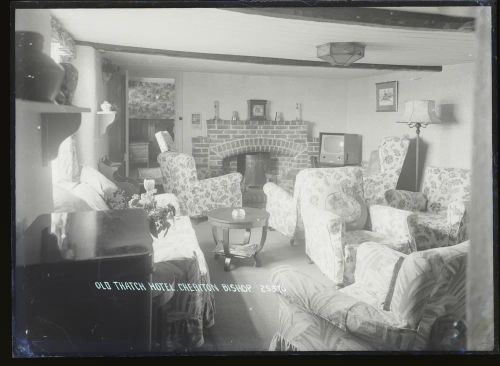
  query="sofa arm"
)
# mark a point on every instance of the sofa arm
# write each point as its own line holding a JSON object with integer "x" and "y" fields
{"x": 406, "y": 200}
{"x": 395, "y": 223}
{"x": 341, "y": 310}
{"x": 457, "y": 220}
{"x": 282, "y": 209}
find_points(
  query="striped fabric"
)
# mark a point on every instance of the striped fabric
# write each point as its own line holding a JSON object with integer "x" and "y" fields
{"x": 318, "y": 317}
{"x": 425, "y": 272}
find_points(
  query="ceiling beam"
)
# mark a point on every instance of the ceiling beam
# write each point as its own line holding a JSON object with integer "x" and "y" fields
{"x": 250, "y": 59}
{"x": 367, "y": 16}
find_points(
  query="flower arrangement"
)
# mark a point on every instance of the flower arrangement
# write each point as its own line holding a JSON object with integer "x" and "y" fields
{"x": 159, "y": 217}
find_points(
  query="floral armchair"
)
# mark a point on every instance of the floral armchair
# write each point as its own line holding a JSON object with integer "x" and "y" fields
{"x": 381, "y": 175}
{"x": 441, "y": 207}
{"x": 394, "y": 305}
{"x": 385, "y": 170}
{"x": 335, "y": 221}
{"x": 197, "y": 197}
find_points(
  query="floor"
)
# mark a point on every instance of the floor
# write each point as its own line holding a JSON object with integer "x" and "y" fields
{"x": 247, "y": 321}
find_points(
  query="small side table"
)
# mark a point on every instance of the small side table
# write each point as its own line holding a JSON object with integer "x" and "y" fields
{"x": 222, "y": 218}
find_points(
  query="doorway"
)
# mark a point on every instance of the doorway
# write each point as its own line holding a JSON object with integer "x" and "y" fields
{"x": 152, "y": 107}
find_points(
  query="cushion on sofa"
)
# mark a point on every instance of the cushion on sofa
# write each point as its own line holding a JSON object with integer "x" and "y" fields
{"x": 90, "y": 196}
{"x": 377, "y": 267}
{"x": 352, "y": 209}
{"x": 102, "y": 185}
{"x": 65, "y": 201}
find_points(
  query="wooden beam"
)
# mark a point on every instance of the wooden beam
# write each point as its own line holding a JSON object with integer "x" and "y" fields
{"x": 249, "y": 59}
{"x": 367, "y": 16}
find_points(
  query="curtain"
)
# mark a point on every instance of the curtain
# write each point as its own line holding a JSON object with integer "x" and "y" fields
{"x": 63, "y": 40}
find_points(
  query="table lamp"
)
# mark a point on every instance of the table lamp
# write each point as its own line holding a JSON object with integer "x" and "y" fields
{"x": 419, "y": 114}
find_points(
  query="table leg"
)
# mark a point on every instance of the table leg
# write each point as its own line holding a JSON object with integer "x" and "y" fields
{"x": 216, "y": 240}
{"x": 261, "y": 245}
{"x": 227, "y": 251}
{"x": 246, "y": 239}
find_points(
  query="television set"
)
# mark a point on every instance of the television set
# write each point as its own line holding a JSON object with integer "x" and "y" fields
{"x": 339, "y": 149}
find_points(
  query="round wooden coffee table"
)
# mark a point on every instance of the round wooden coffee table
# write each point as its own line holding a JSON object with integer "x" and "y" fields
{"x": 222, "y": 218}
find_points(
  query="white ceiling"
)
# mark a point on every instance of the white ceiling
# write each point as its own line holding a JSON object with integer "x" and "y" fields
{"x": 226, "y": 32}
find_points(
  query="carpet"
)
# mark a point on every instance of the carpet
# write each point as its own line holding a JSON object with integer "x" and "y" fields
{"x": 247, "y": 321}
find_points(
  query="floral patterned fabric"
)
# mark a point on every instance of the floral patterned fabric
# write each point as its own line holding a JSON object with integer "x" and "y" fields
{"x": 441, "y": 207}
{"x": 392, "y": 153}
{"x": 318, "y": 317}
{"x": 187, "y": 314}
{"x": 333, "y": 248}
{"x": 197, "y": 197}
{"x": 406, "y": 200}
{"x": 282, "y": 208}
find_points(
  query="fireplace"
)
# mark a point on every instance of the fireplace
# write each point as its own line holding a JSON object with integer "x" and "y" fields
{"x": 288, "y": 146}
{"x": 253, "y": 167}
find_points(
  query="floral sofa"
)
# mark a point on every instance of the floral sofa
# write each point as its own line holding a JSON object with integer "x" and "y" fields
{"x": 335, "y": 219}
{"x": 379, "y": 175}
{"x": 394, "y": 304}
{"x": 197, "y": 197}
{"x": 441, "y": 207}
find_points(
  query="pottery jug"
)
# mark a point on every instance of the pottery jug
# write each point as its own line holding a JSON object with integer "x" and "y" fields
{"x": 38, "y": 77}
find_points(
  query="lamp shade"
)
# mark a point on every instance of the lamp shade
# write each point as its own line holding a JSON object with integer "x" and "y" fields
{"x": 420, "y": 111}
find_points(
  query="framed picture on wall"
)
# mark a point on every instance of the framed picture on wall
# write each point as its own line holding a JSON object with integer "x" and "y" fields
{"x": 387, "y": 96}
{"x": 196, "y": 120}
{"x": 257, "y": 110}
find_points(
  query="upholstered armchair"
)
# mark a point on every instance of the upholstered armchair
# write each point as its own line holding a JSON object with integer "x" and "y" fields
{"x": 335, "y": 220}
{"x": 395, "y": 303}
{"x": 441, "y": 207}
{"x": 383, "y": 171}
{"x": 379, "y": 175}
{"x": 197, "y": 197}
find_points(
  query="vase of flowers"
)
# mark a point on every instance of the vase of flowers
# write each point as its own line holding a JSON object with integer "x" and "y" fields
{"x": 160, "y": 218}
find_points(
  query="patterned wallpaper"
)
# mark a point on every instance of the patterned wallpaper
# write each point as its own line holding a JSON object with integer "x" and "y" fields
{"x": 150, "y": 100}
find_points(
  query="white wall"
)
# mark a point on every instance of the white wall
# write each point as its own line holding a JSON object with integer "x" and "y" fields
{"x": 35, "y": 20}
{"x": 448, "y": 144}
{"x": 89, "y": 93}
{"x": 323, "y": 100}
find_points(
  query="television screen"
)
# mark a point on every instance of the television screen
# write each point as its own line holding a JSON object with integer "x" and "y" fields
{"x": 332, "y": 144}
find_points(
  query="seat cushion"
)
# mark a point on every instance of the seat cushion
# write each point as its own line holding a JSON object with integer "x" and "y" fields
{"x": 432, "y": 230}
{"x": 102, "y": 185}
{"x": 65, "y": 201}
{"x": 90, "y": 196}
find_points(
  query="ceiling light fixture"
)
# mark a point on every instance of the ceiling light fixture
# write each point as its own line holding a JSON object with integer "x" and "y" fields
{"x": 341, "y": 53}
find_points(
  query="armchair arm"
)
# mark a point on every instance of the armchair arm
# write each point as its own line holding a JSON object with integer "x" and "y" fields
{"x": 208, "y": 194}
{"x": 457, "y": 220}
{"x": 324, "y": 233}
{"x": 406, "y": 200}
{"x": 395, "y": 223}
{"x": 282, "y": 208}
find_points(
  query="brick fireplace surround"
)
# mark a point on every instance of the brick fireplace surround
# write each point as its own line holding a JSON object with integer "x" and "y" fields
{"x": 288, "y": 143}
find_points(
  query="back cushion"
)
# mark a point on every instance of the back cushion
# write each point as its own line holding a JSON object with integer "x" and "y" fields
{"x": 420, "y": 275}
{"x": 444, "y": 185}
{"x": 90, "y": 196}
{"x": 377, "y": 267}
{"x": 65, "y": 201}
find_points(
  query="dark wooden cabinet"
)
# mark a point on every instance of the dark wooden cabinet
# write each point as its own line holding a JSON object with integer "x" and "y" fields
{"x": 58, "y": 309}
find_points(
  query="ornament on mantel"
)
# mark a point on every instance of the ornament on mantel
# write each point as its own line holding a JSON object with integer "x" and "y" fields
{"x": 298, "y": 111}
{"x": 216, "y": 109}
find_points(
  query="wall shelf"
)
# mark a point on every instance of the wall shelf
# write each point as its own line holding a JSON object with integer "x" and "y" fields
{"x": 57, "y": 122}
